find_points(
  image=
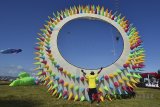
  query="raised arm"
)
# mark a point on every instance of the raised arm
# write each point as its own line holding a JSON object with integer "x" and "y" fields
{"x": 83, "y": 72}
{"x": 100, "y": 70}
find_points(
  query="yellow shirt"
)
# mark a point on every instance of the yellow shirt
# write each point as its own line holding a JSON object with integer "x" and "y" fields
{"x": 92, "y": 80}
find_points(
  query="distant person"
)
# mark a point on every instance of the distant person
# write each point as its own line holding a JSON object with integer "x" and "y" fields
{"x": 92, "y": 83}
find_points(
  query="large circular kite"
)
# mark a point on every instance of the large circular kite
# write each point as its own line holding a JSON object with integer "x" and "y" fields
{"x": 65, "y": 80}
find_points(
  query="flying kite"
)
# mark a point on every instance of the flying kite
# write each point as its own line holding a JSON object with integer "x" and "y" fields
{"x": 10, "y": 51}
{"x": 68, "y": 32}
{"x": 117, "y": 38}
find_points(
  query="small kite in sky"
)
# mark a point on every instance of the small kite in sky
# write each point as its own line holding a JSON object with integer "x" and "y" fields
{"x": 10, "y": 51}
{"x": 68, "y": 32}
{"x": 117, "y": 38}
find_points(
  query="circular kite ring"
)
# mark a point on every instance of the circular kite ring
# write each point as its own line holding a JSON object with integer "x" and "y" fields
{"x": 65, "y": 80}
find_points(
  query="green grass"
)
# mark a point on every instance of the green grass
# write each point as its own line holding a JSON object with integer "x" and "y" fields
{"x": 37, "y": 96}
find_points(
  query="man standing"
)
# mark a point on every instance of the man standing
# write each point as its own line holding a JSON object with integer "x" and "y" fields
{"x": 92, "y": 83}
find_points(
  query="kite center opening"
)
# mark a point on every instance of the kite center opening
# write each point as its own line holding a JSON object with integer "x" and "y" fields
{"x": 89, "y": 44}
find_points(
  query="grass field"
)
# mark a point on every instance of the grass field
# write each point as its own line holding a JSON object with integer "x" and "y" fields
{"x": 37, "y": 96}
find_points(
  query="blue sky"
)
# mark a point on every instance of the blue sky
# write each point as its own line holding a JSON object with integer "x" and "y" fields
{"x": 90, "y": 46}
{"x": 20, "y": 21}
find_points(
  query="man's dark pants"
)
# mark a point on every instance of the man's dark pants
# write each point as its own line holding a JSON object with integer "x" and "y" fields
{"x": 91, "y": 92}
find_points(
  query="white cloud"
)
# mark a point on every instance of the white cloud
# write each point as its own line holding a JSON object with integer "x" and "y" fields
{"x": 19, "y": 67}
{"x": 13, "y": 70}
